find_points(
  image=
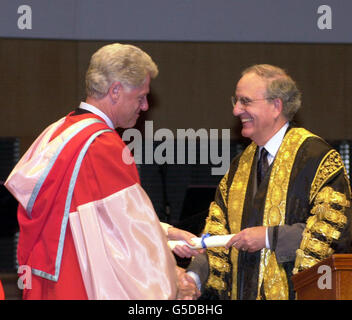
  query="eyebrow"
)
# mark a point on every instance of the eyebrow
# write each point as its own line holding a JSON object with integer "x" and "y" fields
{"x": 243, "y": 97}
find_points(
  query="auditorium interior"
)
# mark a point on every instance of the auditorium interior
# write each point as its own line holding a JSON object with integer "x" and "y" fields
{"x": 43, "y": 80}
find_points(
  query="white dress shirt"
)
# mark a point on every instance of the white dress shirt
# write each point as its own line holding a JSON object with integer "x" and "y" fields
{"x": 273, "y": 145}
{"x": 98, "y": 112}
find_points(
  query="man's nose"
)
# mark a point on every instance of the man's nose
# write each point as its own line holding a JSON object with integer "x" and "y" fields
{"x": 145, "y": 105}
{"x": 237, "y": 109}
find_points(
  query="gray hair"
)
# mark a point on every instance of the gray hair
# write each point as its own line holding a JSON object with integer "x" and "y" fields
{"x": 118, "y": 62}
{"x": 279, "y": 85}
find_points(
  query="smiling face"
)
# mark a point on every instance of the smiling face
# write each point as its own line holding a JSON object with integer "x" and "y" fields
{"x": 261, "y": 118}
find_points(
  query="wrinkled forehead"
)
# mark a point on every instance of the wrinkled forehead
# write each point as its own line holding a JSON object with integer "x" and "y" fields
{"x": 251, "y": 85}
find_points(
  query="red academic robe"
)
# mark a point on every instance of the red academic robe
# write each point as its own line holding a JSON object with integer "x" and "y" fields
{"x": 64, "y": 264}
{"x": 2, "y": 293}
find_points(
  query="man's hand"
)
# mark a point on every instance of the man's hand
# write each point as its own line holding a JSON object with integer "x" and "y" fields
{"x": 250, "y": 239}
{"x": 187, "y": 289}
{"x": 183, "y": 251}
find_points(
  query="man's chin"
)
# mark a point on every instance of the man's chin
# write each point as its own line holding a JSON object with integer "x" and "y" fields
{"x": 246, "y": 133}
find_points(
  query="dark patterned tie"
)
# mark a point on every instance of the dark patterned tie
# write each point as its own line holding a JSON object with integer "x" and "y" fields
{"x": 263, "y": 165}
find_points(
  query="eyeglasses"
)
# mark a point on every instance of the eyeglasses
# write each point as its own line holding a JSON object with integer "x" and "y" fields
{"x": 244, "y": 101}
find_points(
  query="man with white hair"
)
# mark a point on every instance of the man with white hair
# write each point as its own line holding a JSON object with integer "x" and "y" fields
{"x": 87, "y": 228}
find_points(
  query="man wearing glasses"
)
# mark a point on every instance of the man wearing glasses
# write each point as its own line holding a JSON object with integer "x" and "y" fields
{"x": 286, "y": 198}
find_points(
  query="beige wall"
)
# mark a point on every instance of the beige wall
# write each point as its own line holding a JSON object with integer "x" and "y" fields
{"x": 42, "y": 80}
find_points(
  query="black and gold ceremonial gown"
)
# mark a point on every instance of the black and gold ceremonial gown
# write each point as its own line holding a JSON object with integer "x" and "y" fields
{"x": 306, "y": 183}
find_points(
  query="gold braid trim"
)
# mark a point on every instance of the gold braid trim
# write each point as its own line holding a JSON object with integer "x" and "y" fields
{"x": 214, "y": 226}
{"x": 326, "y": 222}
{"x": 223, "y": 188}
{"x": 304, "y": 261}
{"x": 219, "y": 264}
{"x": 330, "y": 164}
{"x": 315, "y": 246}
{"x": 325, "y": 212}
{"x": 271, "y": 274}
{"x": 217, "y": 250}
{"x": 329, "y": 196}
{"x": 236, "y": 196}
{"x": 216, "y": 282}
{"x": 327, "y": 230}
{"x": 217, "y": 257}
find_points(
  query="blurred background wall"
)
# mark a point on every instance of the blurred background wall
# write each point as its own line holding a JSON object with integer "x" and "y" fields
{"x": 42, "y": 80}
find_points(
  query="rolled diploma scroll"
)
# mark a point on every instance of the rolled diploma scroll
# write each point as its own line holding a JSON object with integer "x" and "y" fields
{"x": 206, "y": 241}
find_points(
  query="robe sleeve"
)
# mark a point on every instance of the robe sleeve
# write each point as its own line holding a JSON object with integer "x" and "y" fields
{"x": 285, "y": 240}
{"x": 328, "y": 228}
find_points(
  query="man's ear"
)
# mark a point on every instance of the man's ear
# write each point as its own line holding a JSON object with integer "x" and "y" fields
{"x": 278, "y": 105}
{"x": 114, "y": 91}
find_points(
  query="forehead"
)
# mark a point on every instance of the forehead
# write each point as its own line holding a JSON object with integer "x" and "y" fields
{"x": 251, "y": 85}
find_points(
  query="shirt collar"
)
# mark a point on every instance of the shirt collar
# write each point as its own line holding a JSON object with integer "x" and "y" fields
{"x": 98, "y": 112}
{"x": 273, "y": 145}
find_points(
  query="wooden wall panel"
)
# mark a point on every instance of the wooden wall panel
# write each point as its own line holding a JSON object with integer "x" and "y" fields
{"x": 38, "y": 81}
{"x": 42, "y": 80}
